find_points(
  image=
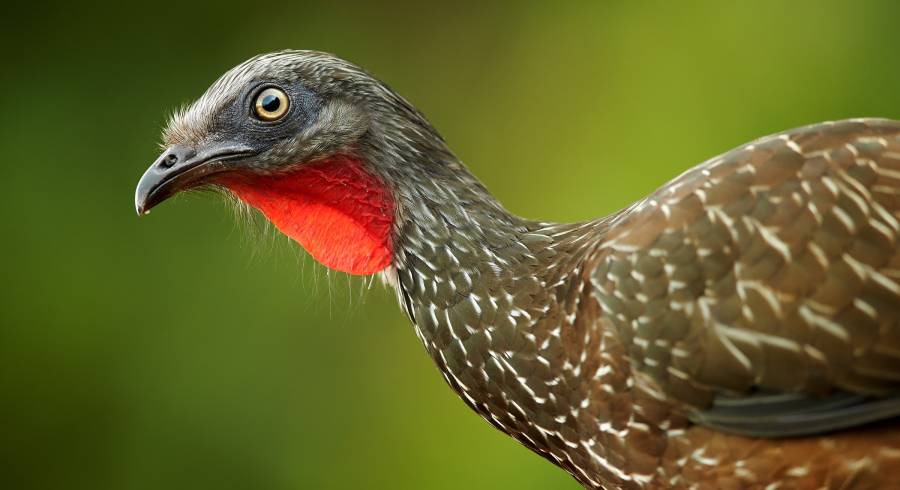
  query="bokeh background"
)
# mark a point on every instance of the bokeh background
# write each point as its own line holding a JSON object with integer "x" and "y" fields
{"x": 177, "y": 351}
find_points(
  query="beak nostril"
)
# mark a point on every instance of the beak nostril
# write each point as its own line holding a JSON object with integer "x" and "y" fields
{"x": 169, "y": 160}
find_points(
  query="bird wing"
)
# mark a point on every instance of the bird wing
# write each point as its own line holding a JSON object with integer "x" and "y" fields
{"x": 762, "y": 287}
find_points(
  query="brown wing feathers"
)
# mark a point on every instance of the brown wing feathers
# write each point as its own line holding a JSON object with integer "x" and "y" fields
{"x": 775, "y": 266}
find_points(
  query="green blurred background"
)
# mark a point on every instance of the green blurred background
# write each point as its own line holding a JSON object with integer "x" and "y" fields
{"x": 175, "y": 352}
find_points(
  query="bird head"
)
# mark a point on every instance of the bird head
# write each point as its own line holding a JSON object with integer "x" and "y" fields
{"x": 315, "y": 143}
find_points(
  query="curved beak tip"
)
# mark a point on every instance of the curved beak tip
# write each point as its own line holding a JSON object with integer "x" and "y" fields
{"x": 138, "y": 202}
{"x": 145, "y": 188}
{"x": 163, "y": 178}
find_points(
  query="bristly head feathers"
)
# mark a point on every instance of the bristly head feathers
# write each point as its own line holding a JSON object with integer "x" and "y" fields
{"x": 340, "y": 104}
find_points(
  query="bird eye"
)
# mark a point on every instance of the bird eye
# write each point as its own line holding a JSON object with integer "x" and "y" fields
{"x": 271, "y": 104}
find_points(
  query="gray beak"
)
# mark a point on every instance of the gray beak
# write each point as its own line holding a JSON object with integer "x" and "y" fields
{"x": 180, "y": 168}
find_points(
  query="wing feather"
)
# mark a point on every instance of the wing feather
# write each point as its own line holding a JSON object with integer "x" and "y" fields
{"x": 774, "y": 267}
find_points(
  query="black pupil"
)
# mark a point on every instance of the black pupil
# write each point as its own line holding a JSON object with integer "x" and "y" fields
{"x": 271, "y": 103}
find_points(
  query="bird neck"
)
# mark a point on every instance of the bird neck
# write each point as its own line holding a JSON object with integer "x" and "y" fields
{"x": 505, "y": 308}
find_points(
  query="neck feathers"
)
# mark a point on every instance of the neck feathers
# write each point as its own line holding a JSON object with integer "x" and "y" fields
{"x": 506, "y": 310}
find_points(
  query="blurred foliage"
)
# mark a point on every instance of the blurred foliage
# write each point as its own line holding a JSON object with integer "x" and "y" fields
{"x": 175, "y": 352}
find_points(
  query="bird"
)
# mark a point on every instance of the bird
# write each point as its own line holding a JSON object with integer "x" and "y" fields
{"x": 739, "y": 327}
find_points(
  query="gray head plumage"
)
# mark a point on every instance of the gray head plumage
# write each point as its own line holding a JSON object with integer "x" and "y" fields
{"x": 336, "y": 107}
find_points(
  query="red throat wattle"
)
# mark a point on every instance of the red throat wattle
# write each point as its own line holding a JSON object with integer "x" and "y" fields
{"x": 340, "y": 213}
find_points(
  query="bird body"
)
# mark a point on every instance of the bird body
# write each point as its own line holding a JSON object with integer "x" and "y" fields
{"x": 739, "y": 328}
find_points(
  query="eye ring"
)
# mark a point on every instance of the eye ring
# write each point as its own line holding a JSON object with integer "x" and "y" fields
{"x": 271, "y": 104}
